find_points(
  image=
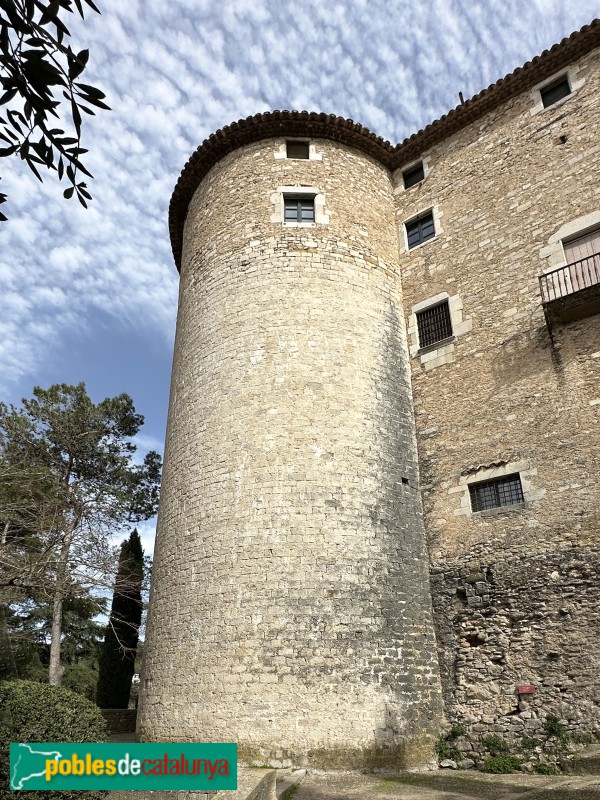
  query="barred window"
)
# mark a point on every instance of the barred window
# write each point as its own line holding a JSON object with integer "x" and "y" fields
{"x": 299, "y": 209}
{"x": 555, "y": 91}
{"x": 419, "y": 230}
{"x": 505, "y": 491}
{"x": 413, "y": 175}
{"x": 434, "y": 324}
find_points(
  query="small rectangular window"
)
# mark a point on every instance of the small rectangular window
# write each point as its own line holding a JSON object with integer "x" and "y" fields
{"x": 555, "y": 91}
{"x": 505, "y": 491}
{"x": 434, "y": 324}
{"x": 413, "y": 175}
{"x": 297, "y": 149}
{"x": 419, "y": 230}
{"x": 299, "y": 209}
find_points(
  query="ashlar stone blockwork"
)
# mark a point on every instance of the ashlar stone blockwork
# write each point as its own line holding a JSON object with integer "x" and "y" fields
{"x": 290, "y": 608}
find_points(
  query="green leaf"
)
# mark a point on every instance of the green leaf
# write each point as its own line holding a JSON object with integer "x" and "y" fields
{"x": 33, "y": 168}
{"x": 41, "y": 74}
{"x": 97, "y": 103}
{"x": 49, "y": 12}
{"x": 7, "y": 96}
{"x": 45, "y": 153}
{"x": 14, "y": 121}
{"x": 14, "y": 17}
{"x": 68, "y": 193}
{"x": 76, "y": 67}
{"x": 91, "y": 91}
{"x": 4, "y": 39}
{"x": 12, "y": 135}
{"x": 80, "y": 167}
{"x": 76, "y": 117}
{"x": 61, "y": 29}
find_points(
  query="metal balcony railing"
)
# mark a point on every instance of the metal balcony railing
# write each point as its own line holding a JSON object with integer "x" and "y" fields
{"x": 570, "y": 279}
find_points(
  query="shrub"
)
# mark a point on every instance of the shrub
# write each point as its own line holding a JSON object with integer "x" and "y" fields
{"x": 546, "y": 769}
{"x": 455, "y": 732}
{"x": 37, "y": 712}
{"x": 444, "y": 747}
{"x": 81, "y": 679}
{"x": 445, "y": 750}
{"x": 554, "y": 727}
{"x": 502, "y": 765}
{"x": 529, "y": 743}
{"x": 495, "y": 744}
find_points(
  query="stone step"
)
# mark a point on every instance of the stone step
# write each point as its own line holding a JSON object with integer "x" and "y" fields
{"x": 287, "y": 781}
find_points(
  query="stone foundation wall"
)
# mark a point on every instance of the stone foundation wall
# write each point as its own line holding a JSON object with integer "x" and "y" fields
{"x": 513, "y": 619}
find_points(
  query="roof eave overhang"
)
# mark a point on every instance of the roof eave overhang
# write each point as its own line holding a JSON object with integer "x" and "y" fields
{"x": 327, "y": 126}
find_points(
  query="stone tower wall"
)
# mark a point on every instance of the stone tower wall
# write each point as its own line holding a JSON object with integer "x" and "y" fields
{"x": 514, "y": 588}
{"x": 290, "y": 608}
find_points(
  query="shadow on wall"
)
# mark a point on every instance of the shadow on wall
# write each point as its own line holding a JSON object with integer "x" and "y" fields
{"x": 523, "y": 356}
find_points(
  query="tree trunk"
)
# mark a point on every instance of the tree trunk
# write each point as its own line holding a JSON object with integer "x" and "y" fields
{"x": 55, "y": 671}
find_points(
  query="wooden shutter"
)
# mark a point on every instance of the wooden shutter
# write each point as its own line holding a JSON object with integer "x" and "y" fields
{"x": 583, "y": 256}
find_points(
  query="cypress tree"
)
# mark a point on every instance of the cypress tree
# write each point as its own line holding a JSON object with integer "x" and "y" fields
{"x": 8, "y": 668}
{"x": 117, "y": 656}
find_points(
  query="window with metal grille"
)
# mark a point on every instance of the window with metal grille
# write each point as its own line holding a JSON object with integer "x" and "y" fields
{"x": 413, "y": 175}
{"x": 419, "y": 230}
{"x": 299, "y": 209}
{"x": 555, "y": 91}
{"x": 505, "y": 491}
{"x": 297, "y": 149}
{"x": 434, "y": 324}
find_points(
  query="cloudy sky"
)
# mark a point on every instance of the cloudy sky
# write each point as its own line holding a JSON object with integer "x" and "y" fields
{"x": 91, "y": 295}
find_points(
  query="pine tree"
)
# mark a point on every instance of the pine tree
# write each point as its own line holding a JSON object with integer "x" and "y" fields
{"x": 117, "y": 657}
{"x": 68, "y": 480}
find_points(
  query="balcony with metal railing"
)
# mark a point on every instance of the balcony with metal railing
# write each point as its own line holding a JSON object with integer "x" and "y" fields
{"x": 571, "y": 292}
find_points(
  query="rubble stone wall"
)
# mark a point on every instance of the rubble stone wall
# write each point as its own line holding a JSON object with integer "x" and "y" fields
{"x": 515, "y": 589}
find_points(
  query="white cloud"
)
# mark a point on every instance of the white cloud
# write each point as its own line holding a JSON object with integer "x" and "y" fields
{"x": 175, "y": 72}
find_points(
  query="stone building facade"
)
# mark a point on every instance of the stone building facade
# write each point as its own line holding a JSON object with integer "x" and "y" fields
{"x": 385, "y": 395}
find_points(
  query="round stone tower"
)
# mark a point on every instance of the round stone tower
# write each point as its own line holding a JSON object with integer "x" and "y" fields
{"x": 290, "y": 608}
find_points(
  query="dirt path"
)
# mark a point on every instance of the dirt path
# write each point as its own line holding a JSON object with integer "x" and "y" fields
{"x": 446, "y": 786}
